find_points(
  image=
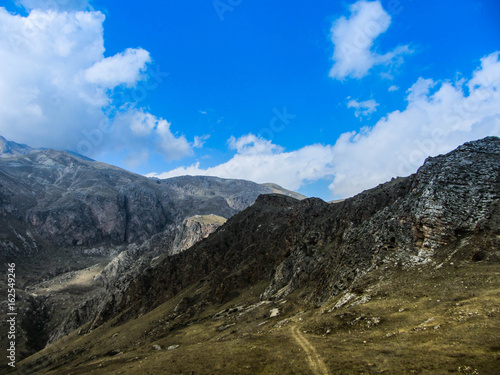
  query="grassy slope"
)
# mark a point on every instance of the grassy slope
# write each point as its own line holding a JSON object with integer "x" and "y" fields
{"x": 423, "y": 321}
{"x": 208, "y": 219}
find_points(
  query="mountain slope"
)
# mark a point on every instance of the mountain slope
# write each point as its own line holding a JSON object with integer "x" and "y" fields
{"x": 324, "y": 247}
{"x": 345, "y": 268}
{"x": 63, "y": 203}
{"x": 63, "y": 215}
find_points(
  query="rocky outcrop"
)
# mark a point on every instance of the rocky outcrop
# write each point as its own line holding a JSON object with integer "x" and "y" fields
{"x": 173, "y": 240}
{"x": 450, "y": 203}
{"x": 192, "y": 230}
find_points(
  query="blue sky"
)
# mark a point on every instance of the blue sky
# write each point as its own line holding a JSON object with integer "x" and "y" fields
{"x": 327, "y": 99}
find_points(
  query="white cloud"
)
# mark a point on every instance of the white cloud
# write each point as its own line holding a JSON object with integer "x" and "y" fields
{"x": 420, "y": 89}
{"x": 56, "y": 85}
{"x": 124, "y": 68}
{"x": 172, "y": 147}
{"x": 434, "y": 122}
{"x": 143, "y": 125}
{"x": 199, "y": 141}
{"x": 362, "y": 109}
{"x": 353, "y": 40}
{"x": 393, "y": 88}
{"x": 253, "y": 145}
{"x": 44, "y": 98}
{"x": 259, "y": 160}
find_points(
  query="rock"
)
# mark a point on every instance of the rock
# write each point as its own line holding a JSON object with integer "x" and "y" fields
{"x": 282, "y": 323}
{"x": 224, "y": 327}
{"x": 173, "y": 347}
{"x": 158, "y": 347}
{"x": 274, "y": 312}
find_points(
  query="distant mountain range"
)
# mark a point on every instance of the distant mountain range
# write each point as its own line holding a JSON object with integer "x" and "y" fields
{"x": 9, "y": 148}
{"x": 63, "y": 200}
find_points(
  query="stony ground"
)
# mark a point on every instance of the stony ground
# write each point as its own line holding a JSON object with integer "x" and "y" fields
{"x": 394, "y": 321}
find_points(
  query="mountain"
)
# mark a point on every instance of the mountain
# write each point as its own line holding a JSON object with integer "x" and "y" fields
{"x": 60, "y": 201}
{"x": 402, "y": 278}
{"x": 9, "y": 148}
{"x": 66, "y": 219}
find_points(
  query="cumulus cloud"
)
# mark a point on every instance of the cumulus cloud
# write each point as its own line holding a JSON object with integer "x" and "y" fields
{"x": 420, "y": 89}
{"x": 363, "y": 109}
{"x": 57, "y": 86}
{"x": 434, "y": 122}
{"x": 439, "y": 117}
{"x": 143, "y": 125}
{"x": 253, "y": 145}
{"x": 353, "y": 39}
{"x": 124, "y": 68}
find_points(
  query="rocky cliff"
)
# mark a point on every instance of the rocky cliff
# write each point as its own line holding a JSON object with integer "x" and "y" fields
{"x": 66, "y": 310}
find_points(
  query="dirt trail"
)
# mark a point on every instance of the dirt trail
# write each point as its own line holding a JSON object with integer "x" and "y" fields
{"x": 316, "y": 364}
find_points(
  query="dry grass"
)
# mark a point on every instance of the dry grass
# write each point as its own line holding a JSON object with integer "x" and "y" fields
{"x": 425, "y": 321}
{"x": 76, "y": 279}
{"x": 208, "y": 219}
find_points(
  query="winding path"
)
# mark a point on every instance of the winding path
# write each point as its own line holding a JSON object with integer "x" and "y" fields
{"x": 316, "y": 364}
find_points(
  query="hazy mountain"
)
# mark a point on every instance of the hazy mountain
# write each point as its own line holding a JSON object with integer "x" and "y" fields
{"x": 400, "y": 278}
{"x": 9, "y": 148}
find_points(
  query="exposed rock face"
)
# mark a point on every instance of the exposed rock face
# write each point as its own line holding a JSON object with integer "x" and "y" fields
{"x": 449, "y": 209}
{"x": 175, "y": 239}
{"x": 53, "y": 199}
{"x": 110, "y": 283}
{"x": 452, "y": 202}
{"x": 192, "y": 230}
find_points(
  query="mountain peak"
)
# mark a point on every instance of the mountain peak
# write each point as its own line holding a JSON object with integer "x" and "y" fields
{"x": 9, "y": 148}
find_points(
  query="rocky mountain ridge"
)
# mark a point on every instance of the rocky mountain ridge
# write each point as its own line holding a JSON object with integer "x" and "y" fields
{"x": 452, "y": 202}
{"x": 9, "y": 148}
{"x": 61, "y": 201}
